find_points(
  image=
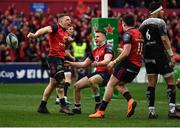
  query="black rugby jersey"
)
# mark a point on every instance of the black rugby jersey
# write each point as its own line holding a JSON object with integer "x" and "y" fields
{"x": 152, "y": 29}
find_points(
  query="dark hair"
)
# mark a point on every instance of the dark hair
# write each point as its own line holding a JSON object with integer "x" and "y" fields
{"x": 62, "y": 15}
{"x": 129, "y": 19}
{"x": 100, "y": 31}
{"x": 153, "y": 6}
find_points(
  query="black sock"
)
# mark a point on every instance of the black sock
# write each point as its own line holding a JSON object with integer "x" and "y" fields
{"x": 127, "y": 96}
{"x": 150, "y": 93}
{"x": 66, "y": 86}
{"x": 97, "y": 99}
{"x": 62, "y": 102}
{"x": 171, "y": 93}
{"x": 43, "y": 104}
{"x": 103, "y": 105}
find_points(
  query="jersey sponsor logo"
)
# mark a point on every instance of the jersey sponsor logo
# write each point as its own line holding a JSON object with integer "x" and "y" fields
{"x": 129, "y": 70}
{"x": 150, "y": 61}
{"x": 151, "y": 43}
{"x": 97, "y": 58}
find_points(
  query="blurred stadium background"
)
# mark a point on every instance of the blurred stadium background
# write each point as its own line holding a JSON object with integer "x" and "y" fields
{"x": 27, "y": 64}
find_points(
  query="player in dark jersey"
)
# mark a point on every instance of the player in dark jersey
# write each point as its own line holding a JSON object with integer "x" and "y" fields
{"x": 158, "y": 58}
{"x": 57, "y": 37}
{"x": 127, "y": 68}
{"x": 99, "y": 58}
{"x": 68, "y": 69}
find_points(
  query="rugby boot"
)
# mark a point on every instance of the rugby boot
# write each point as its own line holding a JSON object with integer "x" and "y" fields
{"x": 152, "y": 115}
{"x": 43, "y": 110}
{"x": 98, "y": 114}
{"x": 76, "y": 110}
{"x": 131, "y": 107}
{"x": 66, "y": 110}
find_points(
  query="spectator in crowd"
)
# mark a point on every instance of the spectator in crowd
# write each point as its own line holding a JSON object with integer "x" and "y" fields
{"x": 79, "y": 52}
{"x": 2, "y": 48}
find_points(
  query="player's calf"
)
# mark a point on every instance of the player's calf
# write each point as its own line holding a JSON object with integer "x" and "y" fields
{"x": 97, "y": 105}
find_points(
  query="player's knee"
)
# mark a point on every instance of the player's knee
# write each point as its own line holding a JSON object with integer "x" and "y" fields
{"x": 59, "y": 77}
{"x": 90, "y": 82}
{"x": 60, "y": 90}
{"x": 77, "y": 87}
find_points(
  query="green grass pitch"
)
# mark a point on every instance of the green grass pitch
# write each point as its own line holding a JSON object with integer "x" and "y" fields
{"x": 19, "y": 102}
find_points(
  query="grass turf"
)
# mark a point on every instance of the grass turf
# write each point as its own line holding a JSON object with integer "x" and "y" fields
{"x": 19, "y": 102}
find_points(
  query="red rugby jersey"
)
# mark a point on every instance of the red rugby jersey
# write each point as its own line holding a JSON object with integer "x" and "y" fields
{"x": 98, "y": 55}
{"x": 134, "y": 37}
{"x": 57, "y": 41}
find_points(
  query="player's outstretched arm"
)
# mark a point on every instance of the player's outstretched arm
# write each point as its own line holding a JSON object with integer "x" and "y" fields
{"x": 39, "y": 32}
{"x": 124, "y": 54}
{"x": 119, "y": 50}
{"x": 83, "y": 64}
{"x": 68, "y": 54}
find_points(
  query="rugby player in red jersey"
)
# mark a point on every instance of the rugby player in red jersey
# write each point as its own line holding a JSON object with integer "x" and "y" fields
{"x": 57, "y": 39}
{"x": 67, "y": 69}
{"x": 99, "y": 58}
{"x": 127, "y": 68}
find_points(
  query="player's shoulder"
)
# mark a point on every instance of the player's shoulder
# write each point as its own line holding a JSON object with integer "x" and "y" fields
{"x": 109, "y": 47}
{"x": 126, "y": 37}
{"x": 94, "y": 48}
{"x": 157, "y": 21}
{"x": 54, "y": 27}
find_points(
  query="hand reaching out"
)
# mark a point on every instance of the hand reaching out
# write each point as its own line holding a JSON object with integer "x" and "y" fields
{"x": 31, "y": 35}
{"x": 111, "y": 65}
